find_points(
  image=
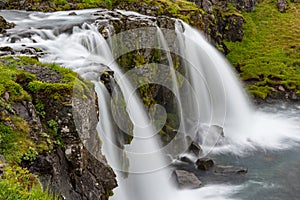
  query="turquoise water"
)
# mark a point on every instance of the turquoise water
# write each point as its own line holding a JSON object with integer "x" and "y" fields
{"x": 272, "y": 175}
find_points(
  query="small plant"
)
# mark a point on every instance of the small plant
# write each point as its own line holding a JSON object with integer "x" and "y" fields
{"x": 53, "y": 128}
{"x": 30, "y": 155}
{"x": 40, "y": 109}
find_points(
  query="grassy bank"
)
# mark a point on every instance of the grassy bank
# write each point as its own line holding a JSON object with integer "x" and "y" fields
{"x": 268, "y": 58}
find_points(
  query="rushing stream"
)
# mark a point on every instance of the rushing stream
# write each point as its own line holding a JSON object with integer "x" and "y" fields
{"x": 265, "y": 140}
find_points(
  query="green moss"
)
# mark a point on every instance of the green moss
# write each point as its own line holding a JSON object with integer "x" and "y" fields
{"x": 268, "y": 56}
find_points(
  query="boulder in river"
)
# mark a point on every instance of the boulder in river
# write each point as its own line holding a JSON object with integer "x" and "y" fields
{"x": 228, "y": 169}
{"x": 187, "y": 179}
{"x": 204, "y": 163}
{"x": 195, "y": 149}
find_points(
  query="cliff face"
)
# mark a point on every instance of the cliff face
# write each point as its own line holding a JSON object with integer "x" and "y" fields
{"x": 55, "y": 113}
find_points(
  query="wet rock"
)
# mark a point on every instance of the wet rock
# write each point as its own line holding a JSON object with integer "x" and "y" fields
{"x": 6, "y": 48}
{"x": 5, "y": 25}
{"x": 282, "y": 5}
{"x": 72, "y": 14}
{"x": 228, "y": 169}
{"x": 186, "y": 159}
{"x": 195, "y": 149}
{"x": 204, "y": 163}
{"x": 187, "y": 179}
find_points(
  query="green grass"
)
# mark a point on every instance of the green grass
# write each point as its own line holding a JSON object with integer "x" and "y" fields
{"x": 269, "y": 55}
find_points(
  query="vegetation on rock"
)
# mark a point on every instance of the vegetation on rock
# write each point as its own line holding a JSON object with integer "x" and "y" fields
{"x": 28, "y": 91}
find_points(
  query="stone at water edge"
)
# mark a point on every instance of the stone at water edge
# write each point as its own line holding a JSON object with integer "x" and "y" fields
{"x": 195, "y": 148}
{"x": 187, "y": 180}
{"x": 228, "y": 169}
{"x": 186, "y": 159}
{"x": 204, "y": 163}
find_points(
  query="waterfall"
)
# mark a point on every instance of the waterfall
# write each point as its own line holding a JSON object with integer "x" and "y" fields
{"x": 210, "y": 96}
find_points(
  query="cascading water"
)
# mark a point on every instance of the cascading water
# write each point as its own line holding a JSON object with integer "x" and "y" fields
{"x": 215, "y": 97}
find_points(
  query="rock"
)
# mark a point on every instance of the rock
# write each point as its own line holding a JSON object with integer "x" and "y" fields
{"x": 5, "y": 25}
{"x": 2, "y": 159}
{"x": 195, "y": 149}
{"x": 207, "y": 6}
{"x": 72, "y": 14}
{"x": 247, "y": 5}
{"x": 232, "y": 28}
{"x": 6, "y": 48}
{"x": 204, "y": 163}
{"x": 281, "y": 88}
{"x": 3, "y": 4}
{"x": 228, "y": 169}
{"x": 186, "y": 159}
{"x": 187, "y": 179}
{"x": 282, "y": 5}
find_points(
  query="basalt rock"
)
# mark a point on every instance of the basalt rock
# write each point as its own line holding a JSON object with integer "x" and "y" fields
{"x": 187, "y": 179}
{"x": 225, "y": 170}
{"x": 5, "y": 25}
{"x": 195, "y": 149}
{"x": 204, "y": 163}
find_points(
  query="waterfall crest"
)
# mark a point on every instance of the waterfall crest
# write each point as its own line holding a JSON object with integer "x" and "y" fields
{"x": 210, "y": 96}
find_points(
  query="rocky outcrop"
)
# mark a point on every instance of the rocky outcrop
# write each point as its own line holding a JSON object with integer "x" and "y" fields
{"x": 187, "y": 179}
{"x": 204, "y": 163}
{"x": 247, "y": 5}
{"x": 5, "y": 25}
{"x": 65, "y": 149}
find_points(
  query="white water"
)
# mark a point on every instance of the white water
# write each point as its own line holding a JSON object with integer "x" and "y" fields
{"x": 220, "y": 100}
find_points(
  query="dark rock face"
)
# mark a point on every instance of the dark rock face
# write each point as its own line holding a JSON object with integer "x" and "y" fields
{"x": 204, "y": 163}
{"x": 247, "y": 5}
{"x": 187, "y": 179}
{"x": 4, "y": 24}
{"x": 3, "y": 4}
{"x": 233, "y": 29}
{"x": 282, "y": 5}
{"x": 195, "y": 149}
{"x": 222, "y": 169}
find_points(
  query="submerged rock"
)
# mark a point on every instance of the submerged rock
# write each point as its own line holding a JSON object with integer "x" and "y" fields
{"x": 204, "y": 163}
{"x": 228, "y": 169}
{"x": 187, "y": 179}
